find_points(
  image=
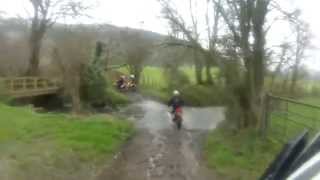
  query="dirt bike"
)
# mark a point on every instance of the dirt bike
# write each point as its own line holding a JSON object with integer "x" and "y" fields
{"x": 127, "y": 87}
{"x": 131, "y": 87}
{"x": 177, "y": 118}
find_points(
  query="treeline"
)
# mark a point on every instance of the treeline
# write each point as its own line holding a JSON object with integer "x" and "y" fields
{"x": 237, "y": 35}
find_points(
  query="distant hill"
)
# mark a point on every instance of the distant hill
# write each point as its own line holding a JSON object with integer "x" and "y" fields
{"x": 14, "y": 35}
{"x": 22, "y": 26}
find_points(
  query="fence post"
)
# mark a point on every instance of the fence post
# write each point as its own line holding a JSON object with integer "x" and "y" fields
{"x": 35, "y": 83}
{"x": 287, "y": 120}
{"x": 265, "y": 115}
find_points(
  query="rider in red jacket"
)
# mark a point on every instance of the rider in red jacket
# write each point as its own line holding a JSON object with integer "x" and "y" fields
{"x": 176, "y": 102}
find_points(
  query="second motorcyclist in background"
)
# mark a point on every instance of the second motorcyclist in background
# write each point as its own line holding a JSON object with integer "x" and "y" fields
{"x": 121, "y": 82}
{"x": 132, "y": 82}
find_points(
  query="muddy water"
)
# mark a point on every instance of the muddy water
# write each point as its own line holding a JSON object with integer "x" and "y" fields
{"x": 159, "y": 151}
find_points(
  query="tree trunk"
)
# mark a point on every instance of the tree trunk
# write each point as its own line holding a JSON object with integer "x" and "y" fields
{"x": 75, "y": 95}
{"x": 136, "y": 69}
{"x": 278, "y": 69}
{"x": 208, "y": 71}
{"x": 137, "y": 74}
{"x": 33, "y": 68}
{"x": 298, "y": 56}
{"x": 256, "y": 66}
{"x": 284, "y": 86}
{"x": 294, "y": 80}
{"x": 37, "y": 33}
{"x": 198, "y": 67}
{"x": 275, "y": 73}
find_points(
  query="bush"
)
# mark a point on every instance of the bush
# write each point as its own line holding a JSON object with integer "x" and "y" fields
{"x": 199, "y": 95}
{"x": 175, "y": 78}
{"x": 115, "y": 98}
{"x": 94, "y": 82}
{"x": 162, "y": 95}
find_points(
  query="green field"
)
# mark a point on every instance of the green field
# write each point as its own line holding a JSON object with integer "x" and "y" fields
{"x": 33, "y": 143}
{"x": 155, "y": 75}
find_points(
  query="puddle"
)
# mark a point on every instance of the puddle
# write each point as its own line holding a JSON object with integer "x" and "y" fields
{"x": 157, "y": 116}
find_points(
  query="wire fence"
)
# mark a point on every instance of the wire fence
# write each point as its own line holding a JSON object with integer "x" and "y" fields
{"x": 286, "y": 118}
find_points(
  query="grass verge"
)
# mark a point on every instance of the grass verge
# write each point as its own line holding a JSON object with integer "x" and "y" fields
{"x": 241, "y": 156}
{"x": 45, "y": 146}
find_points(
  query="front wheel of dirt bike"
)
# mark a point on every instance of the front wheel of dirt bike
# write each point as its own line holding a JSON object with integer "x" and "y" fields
{"x": 179, "y": 125}
{"x": 178, "y": 121}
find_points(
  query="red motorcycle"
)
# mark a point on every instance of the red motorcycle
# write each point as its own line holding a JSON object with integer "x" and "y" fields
{"x": 177, "y": 117}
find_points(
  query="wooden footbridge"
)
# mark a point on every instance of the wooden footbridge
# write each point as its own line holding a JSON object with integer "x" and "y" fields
{"x": 20, "y": 87}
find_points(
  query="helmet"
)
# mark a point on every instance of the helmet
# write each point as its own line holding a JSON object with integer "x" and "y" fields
{"x": 176, "y": 93}
{"x": 132, "y": 76}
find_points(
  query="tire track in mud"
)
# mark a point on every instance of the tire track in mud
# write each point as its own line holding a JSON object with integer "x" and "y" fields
{"x": 159, "y": 151}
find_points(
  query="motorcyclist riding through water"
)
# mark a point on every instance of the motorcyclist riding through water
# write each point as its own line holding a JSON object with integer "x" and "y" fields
{"x": 132, "y": 82}
{"x": 176, "y": 102}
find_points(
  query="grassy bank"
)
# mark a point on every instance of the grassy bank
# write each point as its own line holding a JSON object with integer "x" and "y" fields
{"x": 241, "y": 156}
{"x": 44, "y": 146}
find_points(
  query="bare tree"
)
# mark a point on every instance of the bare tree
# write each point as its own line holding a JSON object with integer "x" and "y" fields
{"x": 13, "y": 47}
{"x": 137, "y": 49}
{"x": 284, "y": 60}
{"x": 191, "y": 34}
{"x": 302, "y": 43}
{"x": 45, "y": 15}
{"x": 72, "y": 53}
{"x": 212, "y": 37}
{"x": 243, "y": 19}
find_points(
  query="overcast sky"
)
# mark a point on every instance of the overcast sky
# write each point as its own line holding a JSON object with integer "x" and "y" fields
{"x": 146, "y": 14}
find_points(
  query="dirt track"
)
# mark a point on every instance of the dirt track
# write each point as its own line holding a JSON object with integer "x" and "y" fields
{"x": 159, "y": 151}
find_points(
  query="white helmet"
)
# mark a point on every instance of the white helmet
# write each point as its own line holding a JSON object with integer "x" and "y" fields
{"x": 176, "y": 93}
{"x": 132, "y": 76}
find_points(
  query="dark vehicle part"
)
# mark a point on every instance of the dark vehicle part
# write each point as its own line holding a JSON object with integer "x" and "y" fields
{"x": 311, "y": 150}
{"x": 279, "y": 168}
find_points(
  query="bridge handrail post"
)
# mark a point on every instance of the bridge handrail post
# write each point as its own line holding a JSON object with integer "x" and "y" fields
{"x": 11, "y": 82}
{"x": 24, "y": 84}
{"x": 34, "y": 83}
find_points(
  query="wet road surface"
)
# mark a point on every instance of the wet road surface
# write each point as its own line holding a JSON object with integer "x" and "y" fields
{"x": 159, "y": 151}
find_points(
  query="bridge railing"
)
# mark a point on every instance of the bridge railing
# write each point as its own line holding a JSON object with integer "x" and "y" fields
{"x": 22, "y": 86}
